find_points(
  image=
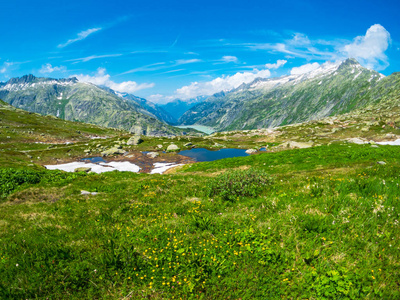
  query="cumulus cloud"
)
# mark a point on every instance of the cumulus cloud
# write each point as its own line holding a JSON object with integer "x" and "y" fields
{"x": 81, "y": 36}
{"x": 278, "y": 64}
{"x": 304, "y": 69}
{"x": 370, "y": 48}
{"x": 224, "y": 83}
{"x": 48, "y": 68}
{"x": 102, "y": 78}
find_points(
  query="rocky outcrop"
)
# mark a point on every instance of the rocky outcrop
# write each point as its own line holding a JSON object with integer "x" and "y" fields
{"x": 134, "y": 140}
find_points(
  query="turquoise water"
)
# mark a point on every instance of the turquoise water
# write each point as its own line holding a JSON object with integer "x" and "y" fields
{"x": 205, "y": 129}
{"x": 202, "y": 154}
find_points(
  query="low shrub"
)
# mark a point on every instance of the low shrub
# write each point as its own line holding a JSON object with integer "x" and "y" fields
{"x": 243, "y": 183}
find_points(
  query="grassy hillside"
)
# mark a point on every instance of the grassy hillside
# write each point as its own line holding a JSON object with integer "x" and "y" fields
{"x": 309, "y": 223}
{"x": 314, "y": 223}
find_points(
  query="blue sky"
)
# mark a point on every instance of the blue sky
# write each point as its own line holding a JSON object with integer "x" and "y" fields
{"x": 162, "y": 50}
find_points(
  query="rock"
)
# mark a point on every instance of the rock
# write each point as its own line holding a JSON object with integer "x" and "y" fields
{"x": 112, "y": 151}
{"x": 365, "y": 129}
{"x": 188, "y": 144}
{"x": 218, "y": 145}
{"x": 87, "y": 150}
{"x": 381, "y": 163}
{"x": 251, "y": 151}
{"x": 117, "y": 146}
{"x": 153, "y": 154}
{"x": 374, "y": 146}
{"x": 173, "y": 147}
{"x": 391, "y": 136}
{"x": 98, "y": 146}
{"x": 83, "y": 169}
{"x": 88, "y": 193}
{"x": 356, "y": 141}
{"x": 135, "y": 140}
{"x": 299, "y": 145}
{"x": 159, "y": 146}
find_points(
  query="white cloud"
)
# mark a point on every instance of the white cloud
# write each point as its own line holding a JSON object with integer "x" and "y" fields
{"x": 48, "y": 68}
{"x": 5, "y": 67}
{"x": 186, "y": 61}
{"x": 102, "y": 78}
{"x": 81, "y": 36}
{"x": 228, "y": 59}
{"x": 370, "y": 49}
{"x": 219, "y": 84}
{"x": 304, "y": 69}
{"x": 278, "y": 64}
{"x": 89, "y": 58}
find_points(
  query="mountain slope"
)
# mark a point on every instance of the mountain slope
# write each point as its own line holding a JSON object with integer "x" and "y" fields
{"x": 331, "y": 89}
{"x": 178, "y": 107}
{"x": 151, "y": 109}
{"x": 83, "y": 102}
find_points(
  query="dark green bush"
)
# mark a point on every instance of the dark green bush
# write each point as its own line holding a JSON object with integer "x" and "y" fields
{"x": 11, "y": 179}
{"x": 243, "y": 183}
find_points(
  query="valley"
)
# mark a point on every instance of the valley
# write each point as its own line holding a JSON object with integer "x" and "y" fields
{"x": 310, "y": 209}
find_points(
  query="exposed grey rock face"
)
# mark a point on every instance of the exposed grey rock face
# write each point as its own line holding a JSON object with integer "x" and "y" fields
{"x": 134, "y": 140}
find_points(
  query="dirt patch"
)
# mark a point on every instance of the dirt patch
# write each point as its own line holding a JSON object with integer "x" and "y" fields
{"x": 33, "y": 195}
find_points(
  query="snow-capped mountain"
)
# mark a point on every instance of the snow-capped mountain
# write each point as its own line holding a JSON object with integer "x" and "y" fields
{"x": 333, "y": 88}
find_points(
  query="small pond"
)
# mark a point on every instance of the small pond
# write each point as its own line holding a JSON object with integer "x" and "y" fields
{"x": 202, "y": 154}
{"x": 94, "y": 160}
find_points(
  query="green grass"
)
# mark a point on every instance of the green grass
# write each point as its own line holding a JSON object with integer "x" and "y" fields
{"x": 317, "y": 223}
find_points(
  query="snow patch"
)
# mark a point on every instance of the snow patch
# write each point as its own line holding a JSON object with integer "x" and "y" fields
{"x": 97, "y": 168}
{"x": 160, "y": 168}
{"x": 392, "y": 143}
{"x": 355, "y": 77}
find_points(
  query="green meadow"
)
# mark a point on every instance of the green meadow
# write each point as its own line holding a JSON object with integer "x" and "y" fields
{"x": 315, "y": 223}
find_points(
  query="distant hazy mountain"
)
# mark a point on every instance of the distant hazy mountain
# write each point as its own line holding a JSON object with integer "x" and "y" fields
{"x": 329, "y": 90}
{"x": 178, "y": 107}
{"x": 72, "y": 100}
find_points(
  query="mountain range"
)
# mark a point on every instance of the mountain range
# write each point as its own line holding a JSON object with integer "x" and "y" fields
{"x": 331, "y": 89}
{"x": 72, "y": 100}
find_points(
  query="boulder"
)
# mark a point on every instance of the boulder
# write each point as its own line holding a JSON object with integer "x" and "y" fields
{"x": 153, "y": 154}
{"x": 135, "y": 140}
{"x": 83, "y": 169}
{"x": 188, "y": 144}
{"x": 112, "y": 151}
{"x": 173, "y": 147}
{"x": 357, "y": 141}
{"x": 251, "y": 151}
